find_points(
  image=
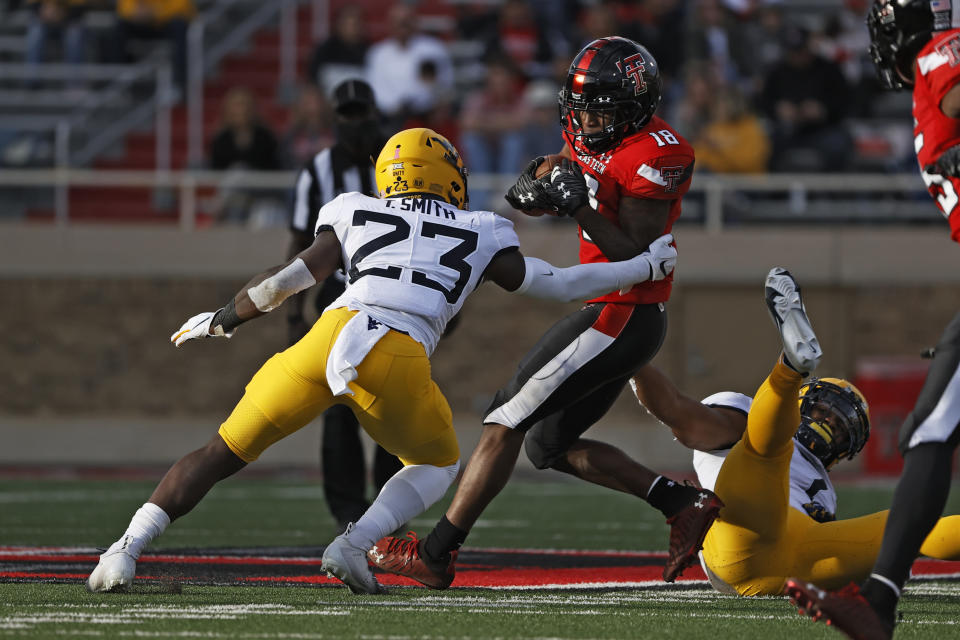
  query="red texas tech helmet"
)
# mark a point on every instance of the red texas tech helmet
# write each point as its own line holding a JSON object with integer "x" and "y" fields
{"x": 615, "y": 77}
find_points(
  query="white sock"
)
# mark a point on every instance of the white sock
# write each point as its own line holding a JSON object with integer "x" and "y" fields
{"x": 147, "y": 523}
{"x": 410, "y": 492}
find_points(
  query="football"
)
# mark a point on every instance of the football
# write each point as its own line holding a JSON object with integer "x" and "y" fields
{"x": 549, "y": 162}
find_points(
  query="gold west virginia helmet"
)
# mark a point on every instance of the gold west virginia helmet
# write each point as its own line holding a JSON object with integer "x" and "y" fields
{"x": 842, "y": 436}
{"x": 422, "y": 162}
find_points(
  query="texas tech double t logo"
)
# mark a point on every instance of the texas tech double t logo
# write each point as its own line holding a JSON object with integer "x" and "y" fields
{"x": 632, "y": 67}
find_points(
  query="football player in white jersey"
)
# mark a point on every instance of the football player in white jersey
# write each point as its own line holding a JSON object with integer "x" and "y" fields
{"x": 411, "y": 257}
{"x": 768, "y": 458}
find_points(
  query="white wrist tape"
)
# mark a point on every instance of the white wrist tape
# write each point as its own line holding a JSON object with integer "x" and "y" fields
{"x": 543, "y": 280}
{"x": 293, "y": 278}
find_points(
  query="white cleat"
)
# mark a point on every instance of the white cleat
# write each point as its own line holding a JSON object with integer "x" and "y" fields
{"x": 114, "y": 572}
{"x": 800, "y": 346}
{"x": 348, "y": 564}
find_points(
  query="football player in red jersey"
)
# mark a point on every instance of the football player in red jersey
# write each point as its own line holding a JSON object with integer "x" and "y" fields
{"x": 624, "y": 191}
{"x": 914, "y": 43}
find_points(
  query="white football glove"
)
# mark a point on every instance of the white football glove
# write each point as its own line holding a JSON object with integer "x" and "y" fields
{"x": 198, "y": 327}
{"x": 661, "y": 256}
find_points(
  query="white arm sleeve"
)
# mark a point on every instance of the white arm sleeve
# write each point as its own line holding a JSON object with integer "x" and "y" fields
{"x": 293, "y": 278}
{"x": 543, "y": 280}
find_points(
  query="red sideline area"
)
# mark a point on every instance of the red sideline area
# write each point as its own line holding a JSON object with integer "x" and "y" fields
{"x": 486, "y": 568}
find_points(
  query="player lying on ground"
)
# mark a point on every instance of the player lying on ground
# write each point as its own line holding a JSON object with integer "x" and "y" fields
{"x": 768, "y": 458}
{"x": 622, "y": 180}
{"x": 411, "y": 258}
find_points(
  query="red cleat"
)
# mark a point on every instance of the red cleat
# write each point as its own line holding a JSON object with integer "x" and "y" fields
{"x": 402, "y": 556}
{"x": 688, "y": 528}
{"x": 846, "y": 610}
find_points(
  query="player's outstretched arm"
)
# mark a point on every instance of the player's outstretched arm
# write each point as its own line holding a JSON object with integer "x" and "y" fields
{"x": 534, "y": 277}
{"x": 693, "y": 423}
{"x": 641, "y": 220}
{"x": 266, "y": 291}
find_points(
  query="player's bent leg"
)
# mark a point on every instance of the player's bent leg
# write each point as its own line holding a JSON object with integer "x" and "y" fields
{"x": 405, "y": 413}
{"x": 555, "y": 442}
{"x": 275, "y": 390}
{"x": 191, "y": 477}
{"x": 745, "y": 544}
{"x": 431, "y": 561}
{"x": 855, "y": 543}
{"x": 183, "y": 486}
{"x": 487, "y": 472}
{"x": 775, "y": 413}
{"x": 410, "y": 492}
{"x": 413, "y": 490}
{"x": 943, "y": 541}
{"x": 833, "y": 554}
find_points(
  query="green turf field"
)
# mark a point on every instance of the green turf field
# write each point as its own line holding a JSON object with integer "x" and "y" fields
{"x": 260, "y": 511}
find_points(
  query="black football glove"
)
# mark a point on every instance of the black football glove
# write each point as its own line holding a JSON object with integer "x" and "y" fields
{"x": 565, "y": 188}
{"x": 948, "y": 164}
{"x": 528, "y": 193}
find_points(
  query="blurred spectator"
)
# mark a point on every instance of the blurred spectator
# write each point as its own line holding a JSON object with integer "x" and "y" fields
{"x": 806, "y": 98}
{"x": 763, "y": 31}
{"x": 599, "y": 21}
{"x": 397, "y": 66}
{"x": 341, "y": 56}
{"x": 492, "y": 123}
{"x": 659, "y": 27}
{"x": 693, "y": 108}
{"x": 442, "y": 117}
{"x": 716, "y": 37}
{"x": 519, "y": 38}
{"x": 56, "y": 18}
{"x": 242, "y": 143}
{"x": 558, "y": 19}
{"x": 734, "y": 140}
{"x": 844, "y": 41}
{"x": 310, "y": 130}
{"x": 154, "y": 19}
{"x": 543, "y": 131}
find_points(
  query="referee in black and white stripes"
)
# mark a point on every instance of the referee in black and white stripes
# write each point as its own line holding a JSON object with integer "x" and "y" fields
{"x": 346, "y": 166}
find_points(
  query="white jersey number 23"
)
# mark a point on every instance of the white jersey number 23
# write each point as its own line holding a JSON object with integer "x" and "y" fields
{"x": 452, "y": 259}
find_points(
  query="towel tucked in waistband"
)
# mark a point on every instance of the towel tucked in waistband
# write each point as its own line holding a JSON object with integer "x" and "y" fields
{"x": 353, "y": 344}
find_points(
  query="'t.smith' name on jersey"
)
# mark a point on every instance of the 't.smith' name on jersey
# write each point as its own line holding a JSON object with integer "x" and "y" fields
{"x": 411, "y": 262}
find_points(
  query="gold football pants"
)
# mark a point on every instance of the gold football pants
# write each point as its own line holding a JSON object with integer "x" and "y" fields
{"x": 759, "y": 540}
{"x": 395, "y": 399}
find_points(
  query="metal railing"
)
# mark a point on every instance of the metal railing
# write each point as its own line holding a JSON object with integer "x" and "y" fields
{"x": 203, "y": 56}
{"x": 793, "y": 192}
{"x": 115, "y": 96}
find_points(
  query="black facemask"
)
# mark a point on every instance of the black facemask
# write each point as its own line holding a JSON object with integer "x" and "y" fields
{"x": 362, "y": 138}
